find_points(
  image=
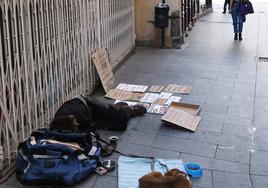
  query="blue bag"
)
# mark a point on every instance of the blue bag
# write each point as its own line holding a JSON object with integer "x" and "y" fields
{"x": 246, "y": 7}
{"x": 46, "y": 158}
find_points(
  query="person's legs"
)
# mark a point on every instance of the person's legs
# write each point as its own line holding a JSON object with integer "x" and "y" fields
{"x": 113, "y": 117}
{"x": 107, "y": 116}
{"x": 225, "y": 5}
{"x": 235, "y": 19}
{"x": 240, "y": 26}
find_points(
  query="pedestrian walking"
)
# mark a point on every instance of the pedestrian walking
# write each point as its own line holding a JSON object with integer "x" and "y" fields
{"x": 237, "y": 19}
{"x": 226, "y": 2}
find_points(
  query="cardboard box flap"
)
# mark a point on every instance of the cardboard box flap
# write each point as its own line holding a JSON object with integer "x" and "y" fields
{"x": 191, "y": 108}
{"x": 180, "y": 118}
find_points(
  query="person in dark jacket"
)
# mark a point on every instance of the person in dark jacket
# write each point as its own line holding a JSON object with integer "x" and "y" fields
{"x": 88, "y": 114}
{"x": 226, "y": 2}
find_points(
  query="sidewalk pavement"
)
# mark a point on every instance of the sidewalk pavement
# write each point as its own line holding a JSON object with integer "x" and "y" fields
{"x": 231, "y": 142}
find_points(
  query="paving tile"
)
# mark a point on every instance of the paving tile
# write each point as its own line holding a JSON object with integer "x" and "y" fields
{"x": 213, "y": 108}
{"x": 216, "y": 164}
{"x": 186, "y": 146}
{"x": 248, "y": 98}
{"x": 222, "y": 92}
{"x": 194, "y": 99}
{"x": 176, "y": 132}
{"x": 200, "y": 91}
{"x": 262, "y": 90}
{"x": 137, "y": 137}
{"x": 237, "y": 130}
{"x": 106, "y": 181}
{"x": 233, "y": 154}
{"x": 147, "y": 125}
{"x": 204, "y": 181}
{"x": 262, "y": 80}
{"x": 212, "y": 116}
{"x": 259, "y": 164}
{"x": 244, "y": 87}
{"x": 261, "y": 103}
{"x": 210, "y": 125}
{"x": 209, "y": 74}
{"x": 217, "y": 100}
{"x": 261, "y": 118}
{"x": 237, "y": 120}
{"x": 222, "y": 139}
{"x": 228, "y": 74}
{"x": 244, "y": 111}
{"x": 260, "y": 139}
{"x": 224, "y": 84}
{"x": 259, "y": 181}
{"x": 227, "y": 179}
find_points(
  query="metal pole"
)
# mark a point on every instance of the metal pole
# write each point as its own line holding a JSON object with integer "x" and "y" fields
{"x": 163, "y": 31}
{"x": 163, "y": 38}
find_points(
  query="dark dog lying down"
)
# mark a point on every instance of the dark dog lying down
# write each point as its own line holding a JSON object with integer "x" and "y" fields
{"x": 174, "y": 178}
{"x": 87, "y": 114}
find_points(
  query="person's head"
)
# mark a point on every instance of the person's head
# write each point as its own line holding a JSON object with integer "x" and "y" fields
{"x": 63, "y": 123}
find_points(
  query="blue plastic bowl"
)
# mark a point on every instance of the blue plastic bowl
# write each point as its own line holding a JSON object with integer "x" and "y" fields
{"x": 193, "y": 169}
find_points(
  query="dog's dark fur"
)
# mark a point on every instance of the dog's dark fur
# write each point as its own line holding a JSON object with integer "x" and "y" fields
{"x": 172, "y": 179}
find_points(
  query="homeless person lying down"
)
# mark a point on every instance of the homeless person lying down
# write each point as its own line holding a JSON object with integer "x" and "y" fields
{"x": 83, "y": 113}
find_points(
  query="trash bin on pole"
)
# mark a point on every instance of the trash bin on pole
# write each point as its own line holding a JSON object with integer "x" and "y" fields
{"x": 161, "y": 18}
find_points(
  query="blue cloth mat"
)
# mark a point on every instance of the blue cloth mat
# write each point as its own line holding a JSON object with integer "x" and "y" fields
{"x": 130, "y": 170}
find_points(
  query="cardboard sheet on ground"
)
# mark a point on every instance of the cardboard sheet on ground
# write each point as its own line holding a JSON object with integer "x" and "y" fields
{"x": 156, "y": 88}
{"x": 157, "y": 109}
{"x": 130, "y": 170}
{"x": 149, "y": 97}
{"x": 160, "y": 101}
{"x": 180, "y": 118}
{"x": 101, "y": 61}
{"x": 167, "y": 102}
{"x": 173, "y": 99}
{"x": 173, "y": 88}
{"x": 165, "y": 95}
{"x": 132, "y": 87}
{"x": 124, "y": 95}
{"x": 191, "y": 108}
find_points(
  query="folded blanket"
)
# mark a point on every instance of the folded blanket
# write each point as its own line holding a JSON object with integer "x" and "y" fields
{"x": 130, "y": 170}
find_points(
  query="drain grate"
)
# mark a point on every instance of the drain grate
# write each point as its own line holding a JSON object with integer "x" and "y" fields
{"x": 263, "y": 59}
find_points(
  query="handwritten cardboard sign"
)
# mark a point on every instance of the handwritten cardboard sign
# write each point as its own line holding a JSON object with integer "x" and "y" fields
{"x": 102, "y": 63}
{"x": 180, "y": 118}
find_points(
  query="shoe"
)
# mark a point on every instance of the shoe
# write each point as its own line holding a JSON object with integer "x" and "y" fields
{"x": 137, "y": 110}
{"x": 224, "y": 12}
{"x": 240, "y": 36}
{"x": 235, "y": 36}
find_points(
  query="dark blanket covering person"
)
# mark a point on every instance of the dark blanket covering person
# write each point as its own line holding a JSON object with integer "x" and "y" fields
{"x": 88, "y": 114}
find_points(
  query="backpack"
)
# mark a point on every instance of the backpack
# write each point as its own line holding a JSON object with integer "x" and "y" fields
{"x": 50, "y": 157}
{"x": 246, "y": 7}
